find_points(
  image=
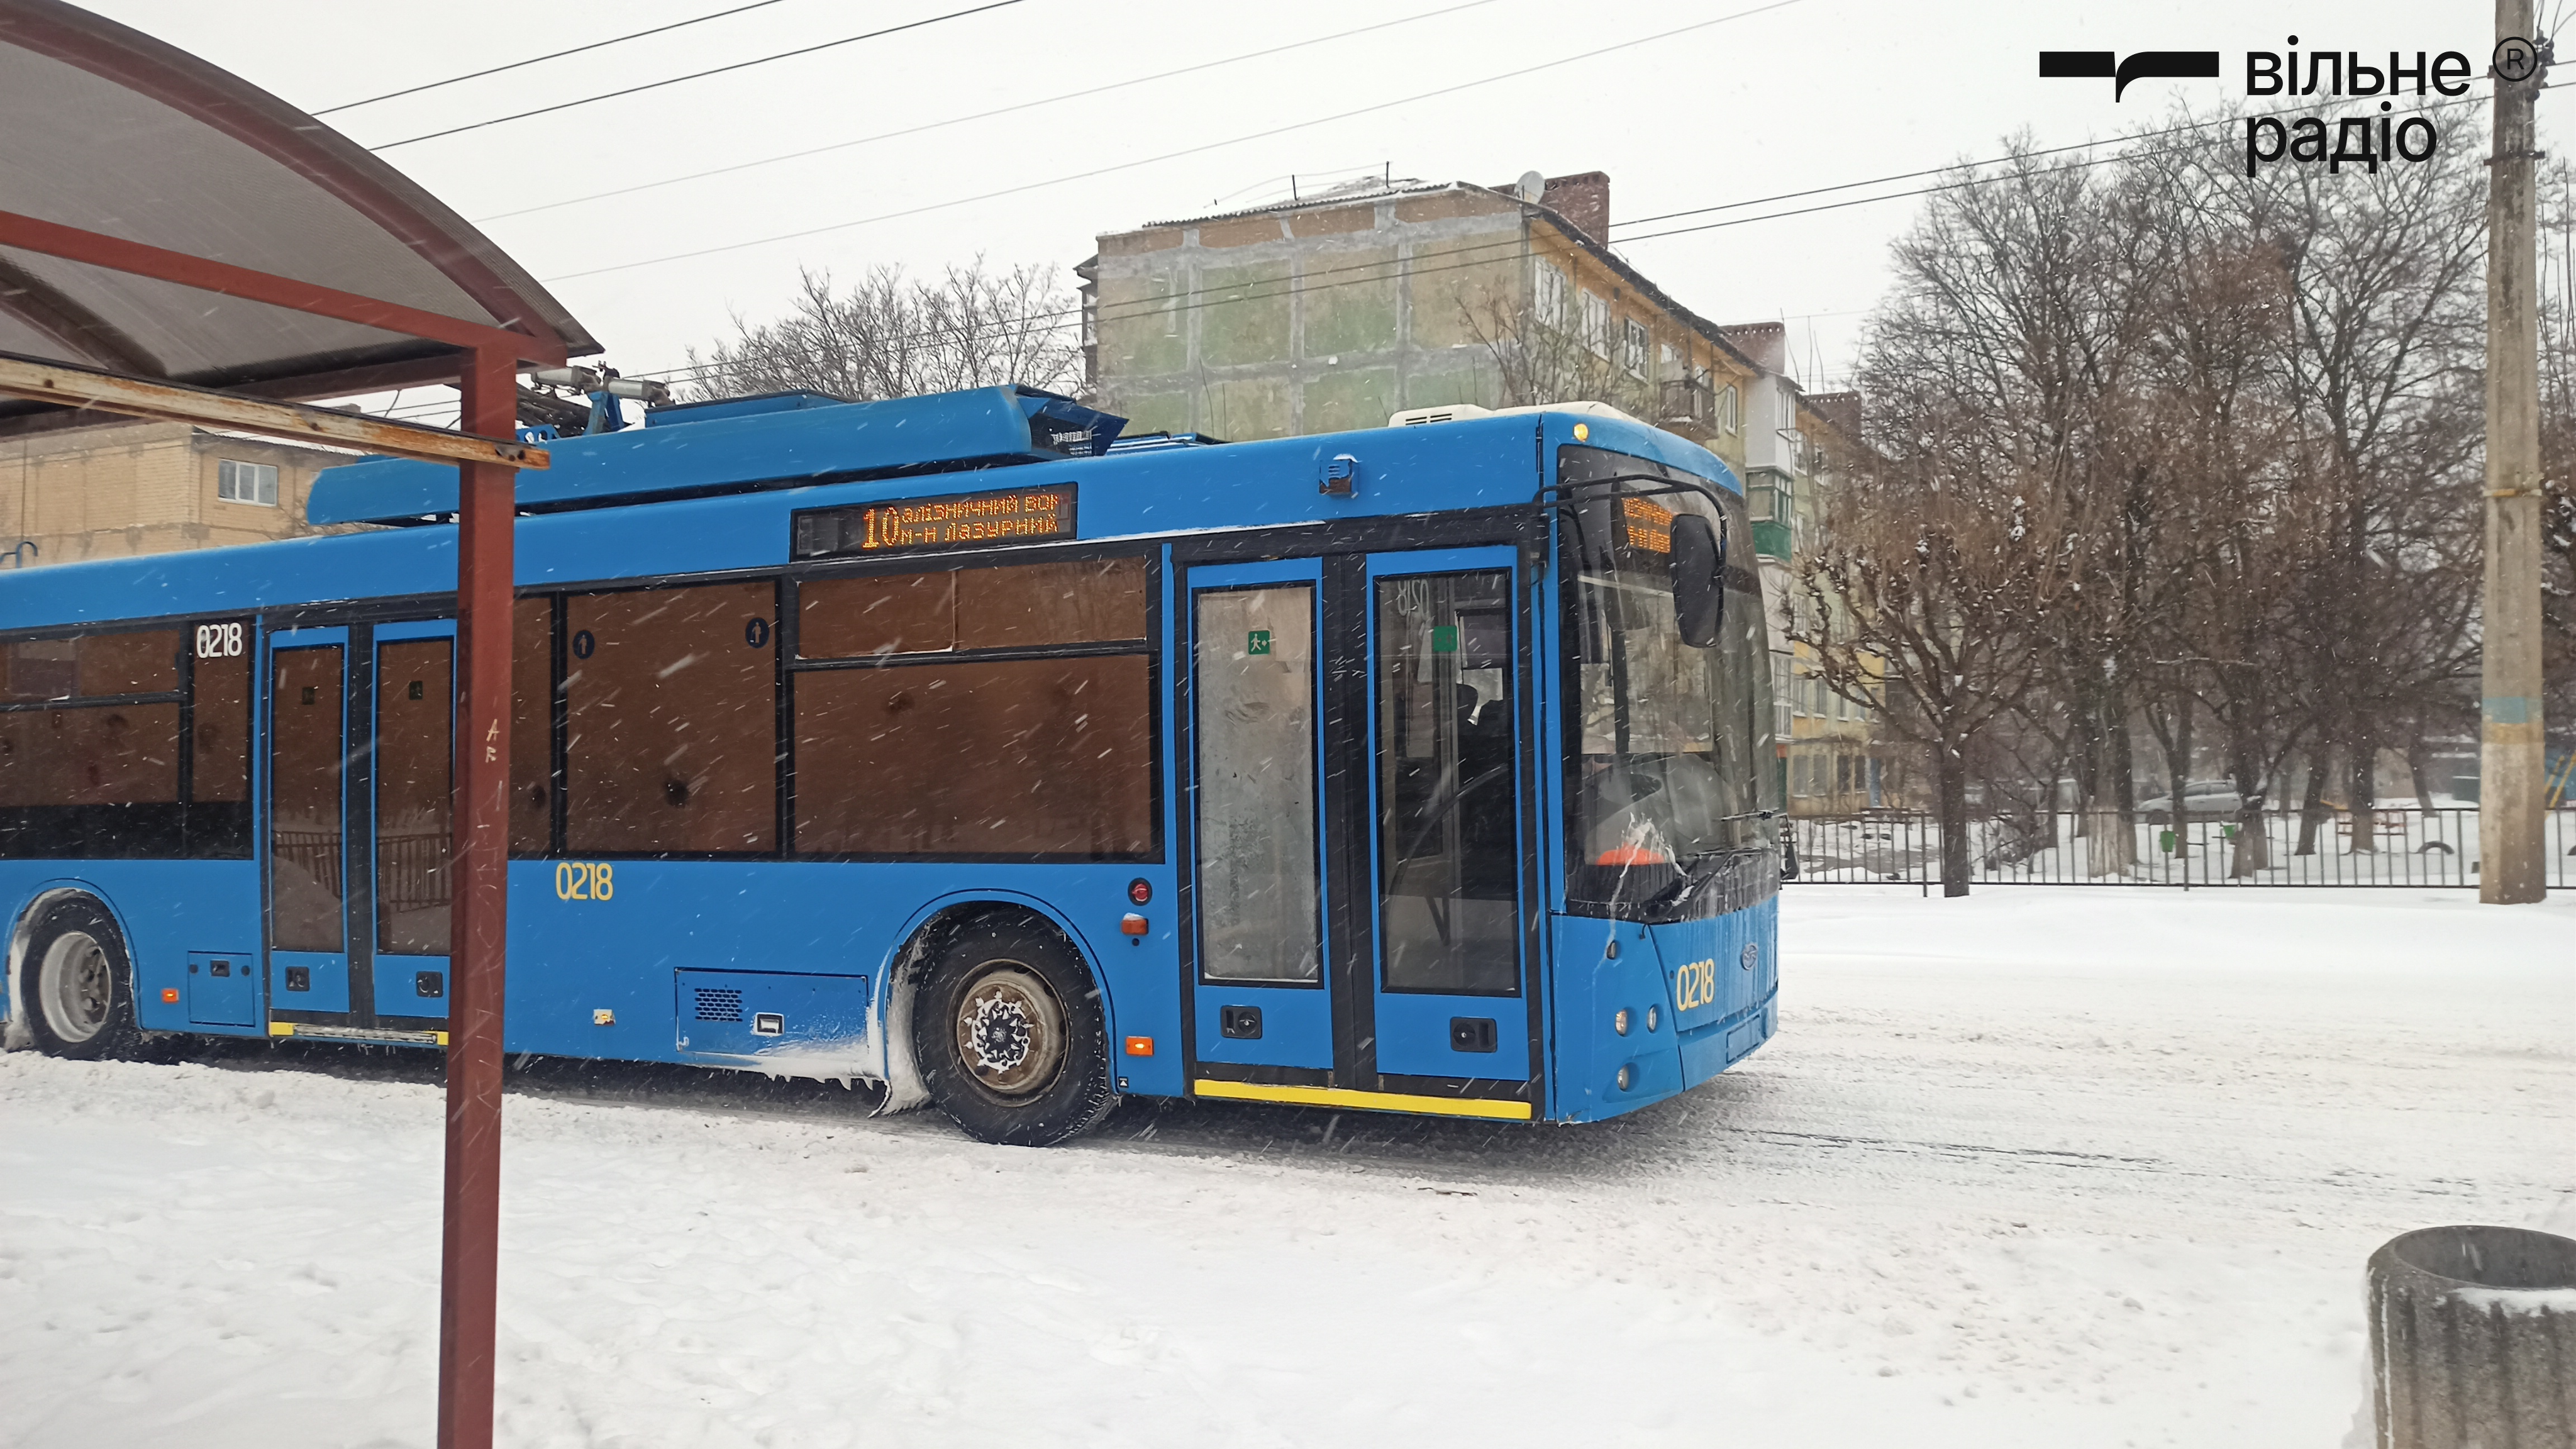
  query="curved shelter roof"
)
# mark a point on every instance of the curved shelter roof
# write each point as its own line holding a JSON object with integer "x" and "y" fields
{"x": 111, "y": 132}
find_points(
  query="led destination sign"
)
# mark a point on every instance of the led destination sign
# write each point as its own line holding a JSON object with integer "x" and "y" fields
{"x": 1647, "y": 525}
{"x": 959, "y": 520}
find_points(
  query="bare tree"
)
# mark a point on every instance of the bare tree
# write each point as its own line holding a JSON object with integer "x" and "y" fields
{"x": 1930, "y": 585}
{"x": 1540, "y": 360}
{"x": 890, "y": 335}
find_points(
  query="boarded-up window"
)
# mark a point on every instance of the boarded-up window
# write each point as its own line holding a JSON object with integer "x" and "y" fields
{"x": 672, "y": 698}
{"x": 91, "y": 746}
{"x": 939, "y": 748}
{"x": 1023, "y": 606}
{"x": 1020, "y": 757}
{"x": 220, "y": 771}
{"x": 532, "y": 734}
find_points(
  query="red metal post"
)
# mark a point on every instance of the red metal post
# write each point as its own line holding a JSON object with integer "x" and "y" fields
{"x": 470, "y": 1248}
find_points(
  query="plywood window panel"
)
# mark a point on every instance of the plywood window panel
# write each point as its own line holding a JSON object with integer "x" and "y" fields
{"x": 671, "y": 696}
{"x": 1011, "y": 758}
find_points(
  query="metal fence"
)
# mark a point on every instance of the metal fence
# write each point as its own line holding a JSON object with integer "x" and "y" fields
{"x": 2382, "y": 848}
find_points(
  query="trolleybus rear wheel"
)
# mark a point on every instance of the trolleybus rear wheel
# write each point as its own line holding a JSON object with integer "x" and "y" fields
{"x": 1010, "y": 1038}
{"x": 78, "y": 985}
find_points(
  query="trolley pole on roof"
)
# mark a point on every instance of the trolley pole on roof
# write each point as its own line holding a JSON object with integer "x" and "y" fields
{"x": 470, "y": 1248}
{"x": 2509, "y": 747}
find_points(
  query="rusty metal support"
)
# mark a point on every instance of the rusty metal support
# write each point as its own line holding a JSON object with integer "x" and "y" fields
{"x": 470, "y": 1245}
{"x": 97, "y": 249}
{"x": 82, "y": 387}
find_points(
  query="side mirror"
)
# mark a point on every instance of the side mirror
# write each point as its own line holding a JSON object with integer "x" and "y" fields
{"x": 1699, "y": 592}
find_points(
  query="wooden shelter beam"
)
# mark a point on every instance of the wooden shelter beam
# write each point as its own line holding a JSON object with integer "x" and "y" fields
{"x": 81, "y": 387}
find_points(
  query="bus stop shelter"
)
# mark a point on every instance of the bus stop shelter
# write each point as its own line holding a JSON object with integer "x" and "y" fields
{"x": 176, "y": 243}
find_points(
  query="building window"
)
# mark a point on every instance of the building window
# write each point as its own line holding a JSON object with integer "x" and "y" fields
{"x": 1672, "y": 366}
{"x": 1729, "y": 409}
{"x": 1596, "y": 324}
{"x": 1549, "y": 301}
{"x": 1632, "y": 347}
{"x": 237, "y": 482}
{"x": 1780, "y": 701}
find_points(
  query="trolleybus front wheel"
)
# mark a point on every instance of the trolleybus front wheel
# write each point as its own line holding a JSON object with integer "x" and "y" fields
{"x": 1010, "y": 1039}
{"x": 78, "y": 984}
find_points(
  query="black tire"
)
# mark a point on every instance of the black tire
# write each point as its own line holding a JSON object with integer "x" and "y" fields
{"x": 77, "y": 984}
{"x": 1009, "y": 1036}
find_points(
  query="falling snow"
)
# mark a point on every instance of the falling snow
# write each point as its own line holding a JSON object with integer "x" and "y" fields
{"x": 2045, "y": 1167}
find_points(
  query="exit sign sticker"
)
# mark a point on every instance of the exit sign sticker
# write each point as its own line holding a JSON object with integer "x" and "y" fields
{"x": 1257, "y": 642}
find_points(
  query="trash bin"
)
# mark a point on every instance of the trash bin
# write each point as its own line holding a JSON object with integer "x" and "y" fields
{"x": 2473, "y": 1339}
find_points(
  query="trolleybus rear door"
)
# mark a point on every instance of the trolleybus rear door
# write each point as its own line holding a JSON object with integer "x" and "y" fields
{"x": 1258, "y": 895}
{"x": 306, "y": 838}
{"x": 1444, "y": 822}
{"x": 411, "y": 815}
{"x": 360, "y": 789}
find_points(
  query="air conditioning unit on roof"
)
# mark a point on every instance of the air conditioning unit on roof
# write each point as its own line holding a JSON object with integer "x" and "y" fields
{"x": 1416, "y": 417}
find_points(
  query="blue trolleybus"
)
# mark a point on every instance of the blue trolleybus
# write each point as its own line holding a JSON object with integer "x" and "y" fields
{"x": 956, "y": 744}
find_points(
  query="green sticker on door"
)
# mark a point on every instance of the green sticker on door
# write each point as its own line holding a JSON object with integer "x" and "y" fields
{"x": 1444, "y": 638}
{"x": 1257, "y": 642}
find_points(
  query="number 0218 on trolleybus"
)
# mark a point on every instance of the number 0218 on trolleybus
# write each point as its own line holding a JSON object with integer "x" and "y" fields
{"x": 951, "y": 743}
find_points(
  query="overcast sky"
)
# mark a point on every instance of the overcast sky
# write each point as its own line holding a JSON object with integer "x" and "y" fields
{"x": 1797, "y": 95}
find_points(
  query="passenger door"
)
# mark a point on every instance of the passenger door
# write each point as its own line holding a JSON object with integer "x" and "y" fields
{"x": 1445, "y": 828}
{"x": 358, "y": 826}
{"x": 1357, "y": 814}
{"x": 1258, "y": 892}
{"x": 303, "y": 844}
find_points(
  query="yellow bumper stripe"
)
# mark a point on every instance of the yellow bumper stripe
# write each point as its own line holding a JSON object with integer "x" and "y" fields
{"x": 1364, "y": 1101}
{"x": 287, "y": 1028}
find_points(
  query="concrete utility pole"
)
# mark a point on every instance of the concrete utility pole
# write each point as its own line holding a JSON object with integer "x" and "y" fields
{"x": 2509, "y": 749}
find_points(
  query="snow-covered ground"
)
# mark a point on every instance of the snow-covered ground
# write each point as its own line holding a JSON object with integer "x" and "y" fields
{"x": 2048, "y": 1167}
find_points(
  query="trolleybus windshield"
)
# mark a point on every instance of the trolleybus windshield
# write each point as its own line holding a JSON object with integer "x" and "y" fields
{"x": 1673, "y": 773}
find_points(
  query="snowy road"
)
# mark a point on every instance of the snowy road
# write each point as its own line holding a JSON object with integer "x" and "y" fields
{"x": 2060, "y": 1167}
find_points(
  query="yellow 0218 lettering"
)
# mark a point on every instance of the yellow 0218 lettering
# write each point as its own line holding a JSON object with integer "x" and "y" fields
{"x": 1695, "y": 985}
{"x": 585, "y": 880}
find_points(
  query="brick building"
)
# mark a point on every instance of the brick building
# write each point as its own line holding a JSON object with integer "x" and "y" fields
{"x": 120, "y": 489}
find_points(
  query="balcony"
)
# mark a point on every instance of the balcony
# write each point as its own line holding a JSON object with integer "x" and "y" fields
{"x": 1688, "y": 400}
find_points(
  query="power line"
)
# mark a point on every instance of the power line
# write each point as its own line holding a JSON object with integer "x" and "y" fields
{"x": 1171, "y": 155}
{"x": 538, "y": 59}
{"x": 1485, "y": 254}
{"x": 1989, "y": 161}
{"x": 979, "y": 115}
{"x": 697, "y": 75}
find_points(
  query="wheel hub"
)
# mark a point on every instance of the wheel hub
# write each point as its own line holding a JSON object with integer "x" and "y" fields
{"x": 80, "y": 987}
{"x": 1000, "y": 1034}
{"x": 1010, "y": 1030}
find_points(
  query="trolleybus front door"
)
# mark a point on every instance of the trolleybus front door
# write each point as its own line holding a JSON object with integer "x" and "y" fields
{"x": 1356, "y": 811}
{"x": 360, "y": 791}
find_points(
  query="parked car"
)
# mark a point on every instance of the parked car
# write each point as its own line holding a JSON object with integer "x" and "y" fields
{"x": 2199, "y": 797}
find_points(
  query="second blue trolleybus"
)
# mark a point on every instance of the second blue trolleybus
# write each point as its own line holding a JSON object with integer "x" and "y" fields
{"x": 955, "y": 744}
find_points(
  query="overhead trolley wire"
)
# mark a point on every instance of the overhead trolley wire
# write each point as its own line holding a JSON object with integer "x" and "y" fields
{"x": 1486, "y": 254}
{"x": 698, "y": 75}
{"x": 980, "y": 115}
{"x": 1989, "y": 161}
{"x": 1171, "y": 155}
{"x": 539, "y": 59}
